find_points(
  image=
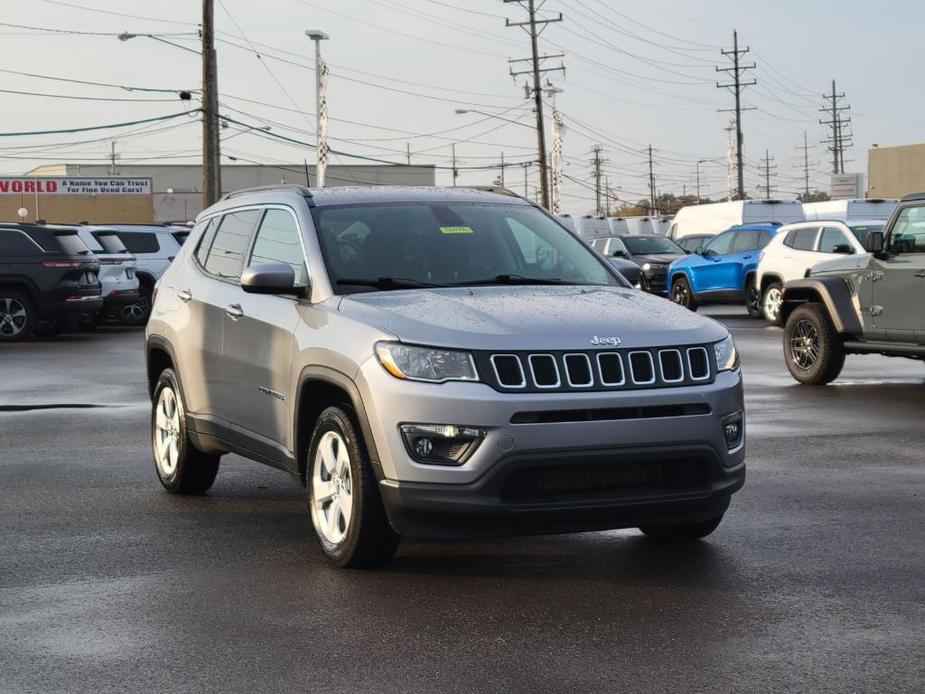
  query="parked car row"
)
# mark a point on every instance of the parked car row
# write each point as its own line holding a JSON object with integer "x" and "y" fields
{"x": 54, "y": 276}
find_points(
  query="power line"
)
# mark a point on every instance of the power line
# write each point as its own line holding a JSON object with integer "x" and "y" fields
{"x": 100, "y": 127}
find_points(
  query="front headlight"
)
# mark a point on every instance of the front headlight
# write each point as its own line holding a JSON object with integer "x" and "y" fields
{"x": 727, "y": 358}
{"x": 646, "y": 267}
{"x": 425, "y": 363}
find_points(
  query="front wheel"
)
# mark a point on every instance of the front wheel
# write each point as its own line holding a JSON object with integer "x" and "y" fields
{"x": 771, "y": 302}
{"x": 137, "y": 313}
{"x": 346, "y": 510}
{"x": 813, "y": 350}
{"x": 17, "y": 316}
{"x": 681, "y": 532}
{"x": 181, "y": 467}
{"x": 682, "y": 294}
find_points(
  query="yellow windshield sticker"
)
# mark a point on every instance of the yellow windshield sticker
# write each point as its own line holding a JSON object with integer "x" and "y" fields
{"x": 456, "y": 230}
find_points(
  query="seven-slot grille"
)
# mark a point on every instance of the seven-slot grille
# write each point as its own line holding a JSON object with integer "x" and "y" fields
{"x": 620, "y": 369}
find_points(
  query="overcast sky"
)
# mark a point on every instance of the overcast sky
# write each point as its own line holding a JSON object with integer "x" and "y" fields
{"x": 639, "y": 72}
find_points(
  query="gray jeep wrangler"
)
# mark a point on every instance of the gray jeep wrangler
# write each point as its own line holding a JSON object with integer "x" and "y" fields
{"x": 868, "y": 303}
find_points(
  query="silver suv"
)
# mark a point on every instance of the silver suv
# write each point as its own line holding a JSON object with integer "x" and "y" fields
{"x": 440, "y": 363}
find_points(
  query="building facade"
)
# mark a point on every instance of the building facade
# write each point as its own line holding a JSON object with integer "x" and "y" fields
{"x": 172, "y": 193}
{"x": 895, "y": 171}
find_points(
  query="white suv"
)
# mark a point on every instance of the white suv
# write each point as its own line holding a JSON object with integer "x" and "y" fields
{"x": 797, "y": 247}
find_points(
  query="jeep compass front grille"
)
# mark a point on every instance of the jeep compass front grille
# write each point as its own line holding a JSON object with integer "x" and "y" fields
{"x": 622, "y": 369}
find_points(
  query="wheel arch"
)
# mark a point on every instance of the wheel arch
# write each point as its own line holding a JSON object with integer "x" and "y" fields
{"x": 320, "y": 387}
{"x": 24, "y": 285}
{"x": 769, "y": 278}
{"x": 834, "y": 296}
{"x": 159, "y": 355}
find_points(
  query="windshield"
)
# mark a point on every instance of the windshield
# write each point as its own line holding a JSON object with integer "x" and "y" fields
{"x": 650, "y": 245}
{"x": 441, "y": 244}
{"x": 861, "y": 231}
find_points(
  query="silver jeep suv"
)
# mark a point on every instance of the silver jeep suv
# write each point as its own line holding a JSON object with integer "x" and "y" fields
{"x": 440, "y": 363}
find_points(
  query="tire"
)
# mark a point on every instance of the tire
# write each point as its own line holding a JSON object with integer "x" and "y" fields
{"x": 17, "y": 316}
{"x": 753, "y": 299}
{"x": 346, "y": 510}
{"x": 137, "y": 313}
{"x": 681, "y": 532}
{"x": 181, "y": 467}
{"x": 813, "y": 350}
{"x": 48, "y": 328}
{"x": 682, "y": 294}
{"x": 771, "y": 302}
{"x": 90, "y": 322}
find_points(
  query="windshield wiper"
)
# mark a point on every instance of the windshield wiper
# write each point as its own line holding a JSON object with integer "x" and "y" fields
{"x": 387, "y": 282}
{"x": 512, "y": 279}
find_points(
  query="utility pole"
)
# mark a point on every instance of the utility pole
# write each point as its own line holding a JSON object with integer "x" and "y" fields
{"x": 534, "y": 28}
{"x": 652, "y": 201}
{"x": 455, "y": 170}
{"x": 737, "y": 86}
{"x": 768, "y": 170}
{"x": 805, "y": 149}
{"x": 834, "y": 108}
{"x": 730, "y": 161}
{"x": 211, "y": 149}
{"x": 321, "y": 107}
{"x": 502, "y": 169}
{"x": 597, "y": 162}
{"x": 112, "y": 158}
{"x": 607, "y": 195}
{"x": 526, "y": 166}
{"x": 699, "y": 162}
{"x": 408, "y": 147}
{"x": 555, "y": 158}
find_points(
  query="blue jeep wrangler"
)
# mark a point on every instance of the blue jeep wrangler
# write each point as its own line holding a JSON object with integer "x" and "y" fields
{"x": 722, "y": 271}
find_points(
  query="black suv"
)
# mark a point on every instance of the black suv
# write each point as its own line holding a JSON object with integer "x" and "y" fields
{"x": 47, "y": 276}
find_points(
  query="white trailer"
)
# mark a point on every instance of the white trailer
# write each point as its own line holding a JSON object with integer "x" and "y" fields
{"x": 618, "y": 226}
{"x": 639, "y": 225}
{"x": 715, "y": 217}
{"x": 591, "y": 227}
{"x": 855, "y": 208}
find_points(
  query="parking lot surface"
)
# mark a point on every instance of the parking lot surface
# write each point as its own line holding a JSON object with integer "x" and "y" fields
{"x": 814, "y": 582}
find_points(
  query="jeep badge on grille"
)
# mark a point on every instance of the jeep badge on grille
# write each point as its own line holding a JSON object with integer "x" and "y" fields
{"x": 612, "y": 341}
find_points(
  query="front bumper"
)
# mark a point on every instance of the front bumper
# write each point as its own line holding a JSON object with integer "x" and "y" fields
{"x": 579, "y": 474}
{"x": 655, "y": 281}
{"x": 76, "y": 306}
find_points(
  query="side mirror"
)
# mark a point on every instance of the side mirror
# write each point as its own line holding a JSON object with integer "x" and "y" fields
{"x": 843, "y": 248}
{"x": 699, "y": 250}
{"x": 874, "y": 242}
{"x": 619, "y": 253}
{"x": 270, "y": 278}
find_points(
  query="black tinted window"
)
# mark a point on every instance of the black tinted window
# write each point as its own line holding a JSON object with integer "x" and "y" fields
{"x": 802, "y": 239}
{"x": 140, "y": 241}
{"x": 15, "y": 243}
{"x": 746, "y": 240}
{"x": 180, "y": 236}
{"x": 226, "y": 256}
{"x": 71, "y": 244}
{"x": 278, "y": 242}
{"x": 110, "y": 242}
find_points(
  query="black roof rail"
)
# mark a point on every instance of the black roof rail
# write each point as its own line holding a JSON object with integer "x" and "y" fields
{"x": 912, "y": 196}
{"x": 290, "y": 187}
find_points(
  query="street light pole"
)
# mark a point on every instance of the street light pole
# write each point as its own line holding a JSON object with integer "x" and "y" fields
{"x": 321, "y": 115}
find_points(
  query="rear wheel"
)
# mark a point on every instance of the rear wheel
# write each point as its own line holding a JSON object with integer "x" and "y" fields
{"x": 813, "y": 350}
{"x": 181, "y": 467}
{"x": 680, "y": 532}
{"x": 346, "y": 510}
{"x": 771, "y": 302}
{"x": 752, "y": 299}
{"x": 682, "y": 294}
{"x": 17, "y": 316}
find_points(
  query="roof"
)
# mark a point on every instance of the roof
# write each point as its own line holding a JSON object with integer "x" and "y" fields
{"x": 345, "y": 195}
{"x": 912, "y": 196}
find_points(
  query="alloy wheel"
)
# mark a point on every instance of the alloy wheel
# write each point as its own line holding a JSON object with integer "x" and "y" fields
{"x": 772, "y": 301}
{"x": 167, "y": 432}
{"x": 13, "y": 317}
{"x": 804, "y": 345}
{"x": 332, "y": 488}
{"x": 680, "y": 294}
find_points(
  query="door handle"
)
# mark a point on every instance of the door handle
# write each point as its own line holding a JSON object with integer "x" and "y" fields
{"x": 184, "y": 295}
{"x": 234, "y": 311}
{"x": 746, "y": 257}
{"x": 921, "y": 274}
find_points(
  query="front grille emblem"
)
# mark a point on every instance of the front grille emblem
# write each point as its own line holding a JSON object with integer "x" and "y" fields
{"x": 603, "y": 341}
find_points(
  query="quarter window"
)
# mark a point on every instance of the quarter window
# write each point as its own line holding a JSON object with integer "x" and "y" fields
{"x": 205, "y": 242}
{"x": 747, "y": 240}
{"x": 832, "y": 237}
{"x": 140, "y": 241}
{"x": 226, "y": 255}
{"x": 278, "y": 242}
{"x": 802, "y": 239}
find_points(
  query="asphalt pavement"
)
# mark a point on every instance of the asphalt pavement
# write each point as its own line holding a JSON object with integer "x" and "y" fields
{"x": 814, "y": 582}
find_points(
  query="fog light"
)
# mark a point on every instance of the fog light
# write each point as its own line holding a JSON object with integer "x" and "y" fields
{"x": 734, "y": 430}
{"x": 441, "y": 444}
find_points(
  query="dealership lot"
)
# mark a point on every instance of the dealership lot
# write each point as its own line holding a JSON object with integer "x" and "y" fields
{"x": 814, "y": 582}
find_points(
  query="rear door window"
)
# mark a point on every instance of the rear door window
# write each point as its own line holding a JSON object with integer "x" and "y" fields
{"x": 71, "y": 243}
{"x": 110, "y": 242}
{"x": 802, "y": 239}
{"x": 140, "y": 241}
{"x": 830, "y": 238}
{"x": 746, "y": 240}
{"x": 15, "y": 243}
{"x": 226, "y": 255}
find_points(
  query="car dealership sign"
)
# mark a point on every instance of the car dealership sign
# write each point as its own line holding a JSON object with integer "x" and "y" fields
{"x": 75, "y": 186}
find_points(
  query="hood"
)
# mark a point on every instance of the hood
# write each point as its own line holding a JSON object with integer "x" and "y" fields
{"x": 658, "y": 258}
{"x": 530, "y": 318}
